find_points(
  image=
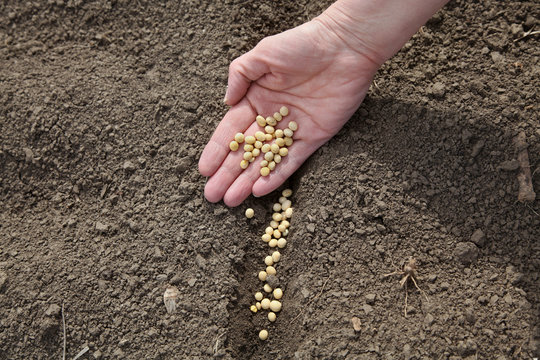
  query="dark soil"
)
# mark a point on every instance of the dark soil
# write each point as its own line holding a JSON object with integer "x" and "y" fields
{"x": 105, "y": 107}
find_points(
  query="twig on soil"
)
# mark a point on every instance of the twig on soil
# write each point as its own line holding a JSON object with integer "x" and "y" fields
{"x": 216, "y": 345}
{"x": 527, "y": 34}
{"x": 526, "y": 191}
{"x": 408, "y": 272}
{"x": 64, "y": 330}
{"x": 311, "y": 301}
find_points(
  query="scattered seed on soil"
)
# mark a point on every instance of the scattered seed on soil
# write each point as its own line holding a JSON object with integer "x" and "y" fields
{"x": 249, "y": 213}
{"x": 262, "y": 275}
{"x": 284, "y": 111}
{"x": 170, "y": 297}
{"x": 263, "y": 335}
{"x": 248, "y": 148}
{"x": 281, "y": 243}
{"x": 285, "y": 223}
{"x": 267, "y": 288}
{"x": 239, "y": 138}
{"x": 273, "y": 243}
{"x": 258, "y": 305}
{"x": 272, "y": 316}
{"x": 233, "y": 145}
{"x": 277, "y": 216}
{"x": 258, "y": 296}
{"x": 274, "y": 224}
{"x": 269, "y": 261}
{"x": 265, "y": 303}
{"x": 276, "y": 256}
{"x": 265, "y": 171}
{"x": 277, "y": 233}
{"x": 269, "y": 230}
{"x": 253, "y": 308}
{"x": 286, "y": 193}
{"x": 266, "y": 237}
{"x": 278, "y": 293}
{"x": 286, "y": 232}
{"x": 276, "y": 207}
{"x": 270, "y": 270}
{"x": 281, "y": 227}
{"x": 260, "y": 120}
{"x": 275, "y": 305}
{"x": 250, "y": 140}
{"x": 286, "y": 204}
{"x": 282, "y": 199}
{"x": 288, "y": 213}
{"x": 244, "y": 164}
{"x": 278, "y": 116}
{"x": 293, "y": 125}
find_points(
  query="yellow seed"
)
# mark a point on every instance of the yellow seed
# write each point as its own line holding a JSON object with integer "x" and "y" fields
{"x": 249, "y": 213}
{"x": 265, "y": 148}
{"x": 280, "y": 142}
{"x": 269, "y": 230}
{"x": 284, "y": 111}
{"x": 277, "y": 158}
{"x": 250, "y": 140}
{"x": 264, "y": 163}
{"x": 265, "y": 303}
{"x": 248, "y": 155}
{"x": 286, "y": 204}
{"x": 269, "y": 156}
{"x": 277, "y": 217}
{"x": 265, "y": 171}
{"x": 271, "y": 121}
{"x": 273, "y": 243}
{"x": 256, "y": 152}
{"x": 288, "y": 213}
{"x": 269, "y": 137}
{"x": 263, "y": 335}
{"x": 266, "y": 237}
{"x": 288, "y": 133}
{"x": 278, "y": 116}
{"x": 283, "y": 152}
{"x": 258, "y": 144}
{"x": 278, "y": 293}
{"x": 248, "y": 148}
{"x": 285, "y": 223}
{"x": 282, "y": 199}
{"x": 259, "y": 135}
{"x": 278, "y": 133}
{"x": 277, "y": 234}
{"x": 286, "y": 232}
{"x": 272, "y": 316}
{"x": 267, "y": 288}
{"x": 276, "y": 207}
{"x": 288, "y": 141}
{"x": 274, "y": 148}
{"x": 233, "y": 145}
{"x": 239, "y": 138}
{"x": 281, "y": 228}
{"x": 274, "y": 224}
{"x": 293, "y": 126}
{"x": 270, "y": 270}
{"x": 252, "y": 159}
{"x": 269, "y": 129}
{"x": 258, "y": 296}
{"x": 253, "y": 308}
{"x": 262, "y": 275}
{"x": 275, "y": 306}
{"x": 258, "y": 305}
{"x": 272, "y": 165}
{"x": 286, "y": 193}
{"x": 244, "y": 164}
{"x": 281, "y": 243}
{"x": 260, "y": 120}
{"x": 269, "y": 261}
{"x": 276, "y": 256}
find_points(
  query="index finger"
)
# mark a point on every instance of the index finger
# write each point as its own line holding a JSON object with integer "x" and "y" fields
{"x": 237, "y": 119}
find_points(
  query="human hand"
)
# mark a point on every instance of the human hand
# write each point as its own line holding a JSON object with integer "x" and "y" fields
{"x": 309, "y": 69}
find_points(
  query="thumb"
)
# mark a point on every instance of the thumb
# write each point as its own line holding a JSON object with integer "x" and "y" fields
{"x": 242, "y": 71}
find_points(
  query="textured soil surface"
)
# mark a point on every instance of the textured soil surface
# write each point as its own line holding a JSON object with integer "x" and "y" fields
{"x": 105, "y": 107}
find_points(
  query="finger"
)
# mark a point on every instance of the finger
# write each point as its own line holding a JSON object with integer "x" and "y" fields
{"x": 237, "y": 119}
{"x": 242, "y": 71}
{"x": 228, "y": 172}
{"x": 299, "y": 151}
{"x": 240, "y": 189}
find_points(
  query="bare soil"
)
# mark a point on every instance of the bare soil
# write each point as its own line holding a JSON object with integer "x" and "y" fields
{"x": 105, "y": 107}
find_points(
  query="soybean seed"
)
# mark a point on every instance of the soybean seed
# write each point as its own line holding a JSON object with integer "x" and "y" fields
{"x": 271, "y": 121}
{"x": 274, "y": 224}
{"x": 258, "y": 144}
{"x": 286, "y": 204}
{"x": 265, "y": 303}
{"x": 282, "y": 199}
{"x": 263, "y": 335}
{"x": 269, "y": 156}
{"x": 239, "y": 138}
{"x": 293, "y": 126}
{"x": 252, "y": 158}
{"x": 267, "y": 288}
{"x": 288, "y": 133}
{"x": 288, "y": 213}
{"x": 280, "y": 142}
{"x": 269, "y": 230}
{"x": 264, "y": 163}
{"x": 258, "y": 305}
{"x": 281, "y": 228}
{"x": 233, "y": 145}
{"x": 277, "y": 217}
{"x": 275, "y": 306}
{"x": 284, "y": 111}
{"x": 253, "y": 308}
{"x": 259, "y": 135}
{"x": 274, "y": 148}
{"x": 260, "y": 120}
{"x": 249, "y": 213}
{"x": 285, "y": 223}
{"x": 283, "y": 151}
{"x": 276, "y": 256}
{"x": 276, "y": 207}
{"x": 288, "y": 141}
{"x": 255, "y": 152}
{"x": 272, "y": 316}
{"x": 250, "y": 140}
{"x": 279, "y": 133}
{"x": 278, "y": 116}
{"x": 270, "y": 270}
{"x": 277, "y": 234}
{"x": 278, "y": 293}
{"x": 277, "y": 158}
{"x": 272, "y": 165}
{"x": 259, "y": 296}
{"x": 248, "y": 148}
{"x": 244, "y": 164}
{"x": 269, "y": 129}
{"x": 266, "y": 148}
{"x": 262, "y": 275}
{"x": 248, "y": 155}
{"x": 286, "y": 192}
{"x": 265, "y": 171}
{"x": 269, "y": 261}
{"x": 273, "y": 243}
{"x": 281, "y": 243}
{"x": 269, "y": 137}
{"x": 266, "y": 237}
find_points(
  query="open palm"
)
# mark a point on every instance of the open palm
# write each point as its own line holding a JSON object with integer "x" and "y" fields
{"x": 308, "y": 69}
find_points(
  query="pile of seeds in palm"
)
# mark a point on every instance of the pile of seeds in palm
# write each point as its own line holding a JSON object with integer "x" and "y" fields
{"x": 269, "y": 298}
{"x": 261, "y": 142}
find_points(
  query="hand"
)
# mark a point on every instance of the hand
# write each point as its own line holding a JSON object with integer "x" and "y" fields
{"x": 311, "y": 70}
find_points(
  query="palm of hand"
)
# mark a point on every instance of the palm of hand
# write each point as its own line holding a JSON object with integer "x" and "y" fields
{"x": 320, "y": 80}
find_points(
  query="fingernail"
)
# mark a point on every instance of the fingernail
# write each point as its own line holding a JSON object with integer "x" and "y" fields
{"x": 226, "y": 93}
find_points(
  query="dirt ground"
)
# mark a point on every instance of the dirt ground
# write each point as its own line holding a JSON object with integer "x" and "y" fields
{"x": 105, "y": 107}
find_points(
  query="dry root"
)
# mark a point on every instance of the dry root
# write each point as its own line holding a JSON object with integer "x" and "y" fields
{"x": 526, "y": 192}
{"x": 408, "y": 272}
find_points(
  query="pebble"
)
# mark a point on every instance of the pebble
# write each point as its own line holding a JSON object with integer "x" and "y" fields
{"x": 3, "y": 280}
{"x": 273, "y": 281}
{"x": 102, "y": 228}
{"x": 367, "y": 308}
{"x": 161, "y": 277}
{"x": 311, "y": 228}
{"x": 466, "y": 252}
{"x": 370, "y": 298}
{"x": 428, "y": 320}
{"x": 478, "y": 237}
{"x": 129, "y": 166}
{"x": 53, "y": 310}
{"x": 509, "y": 165}
{"x": 438, "y": 89}
{"x": 477, "y": 147}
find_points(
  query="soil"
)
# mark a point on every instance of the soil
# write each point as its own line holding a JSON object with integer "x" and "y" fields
{"x": 105, "y": 107}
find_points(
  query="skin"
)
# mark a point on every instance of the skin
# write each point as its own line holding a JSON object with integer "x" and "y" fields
{"x": 321, "y": 71}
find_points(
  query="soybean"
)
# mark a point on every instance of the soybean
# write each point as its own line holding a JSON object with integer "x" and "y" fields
{"x": 270, "y": 270}
{"x": 265, "y": 171}
{"x": 260, "y": 120}
{"x": 263, "y": 335}
{"x": 273, "y": 243}
{"x": 269, "y": 260}
{"x": 249, "y": 213}
{"x": 233, "y": 145}
{"x": 239, "y": 138}
{"x": 275, "y": 306}
{"x": 278, "y": 116}
{"x": 244, "y": 164}
{"x": 288, "y": 133}
{"x": 248, "y": 148}
{"x": 281, "y": 243}
{"x": 283, "y": 151}
{"x": 286, "y": 193}
{"x": 250, "y": 140}
{"x": 265, "y": 303}
{"x": 284, "y": 111}
{"x": 278, "y": 293}
{"x": 259, "y": 296}
{"x": 293, "y": 125}
{"x": 272, "y": 316}
{"x": 267, "y": 288}
{"x": 276, "y": 256}
{"x": 271, "y": 121}
{"x": 259, "y": 135}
